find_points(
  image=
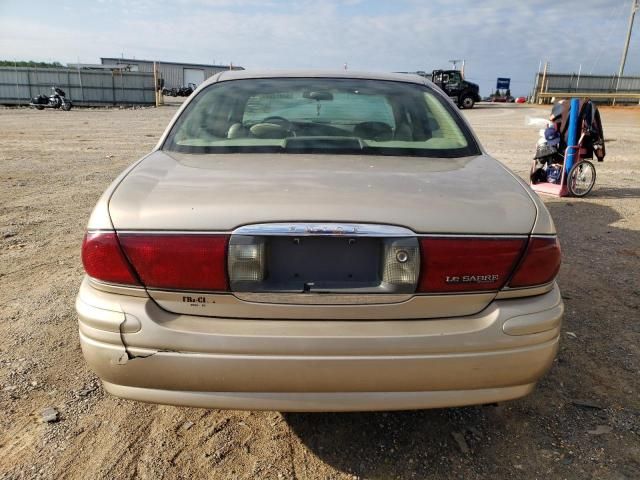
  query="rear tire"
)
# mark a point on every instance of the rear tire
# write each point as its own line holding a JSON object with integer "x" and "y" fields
{"x": 466, "y": 101}
{"x": 39, "y": 107}
{"x": 581, "y": 178}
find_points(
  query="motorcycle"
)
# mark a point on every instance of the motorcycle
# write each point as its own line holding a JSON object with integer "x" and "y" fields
{"x": 179, "y": 92}
{"x": 56, "y": 100}
{"x": 186, "y": 91}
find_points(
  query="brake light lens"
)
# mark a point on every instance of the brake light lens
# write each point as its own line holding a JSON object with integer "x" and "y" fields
{"x": 103, "y": 259}
{"x": 178, "y": 261}
{"x": 540, "y": 264}
{"x": 467, "y": 264}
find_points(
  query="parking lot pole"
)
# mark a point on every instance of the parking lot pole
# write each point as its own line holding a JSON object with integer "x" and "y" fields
{"x": 572, "y": 135}
{"x": 155, "y": 81}
{"x": 79, "y": 81}
{"x": 544, "y": 77}
{"x": 15, "y": 66}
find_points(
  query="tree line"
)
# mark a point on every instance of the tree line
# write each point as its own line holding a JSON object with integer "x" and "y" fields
{"x": 29, "y": 63}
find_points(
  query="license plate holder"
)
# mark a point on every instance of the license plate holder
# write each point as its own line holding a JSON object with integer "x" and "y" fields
{"x": 322, "y": 263}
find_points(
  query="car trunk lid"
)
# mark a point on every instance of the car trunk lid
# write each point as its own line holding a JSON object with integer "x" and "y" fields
{"x": 345, "y": 220}
{"x": 219, "y": 192}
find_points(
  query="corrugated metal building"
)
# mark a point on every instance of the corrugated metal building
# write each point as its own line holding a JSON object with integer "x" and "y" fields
{"x": 83, "y": 87}
{"x": 175, "y": 74}
{"x": 600, "y": 87}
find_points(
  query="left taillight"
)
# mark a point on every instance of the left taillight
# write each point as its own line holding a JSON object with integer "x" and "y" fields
{"x": 104, "y": 260}
{"x": 168, "y": 261}
{"x": 178, "y": 261}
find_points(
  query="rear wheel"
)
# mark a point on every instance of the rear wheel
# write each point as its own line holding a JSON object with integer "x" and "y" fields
{"x": 467, "y": 101}
{"x": 581, "y": 178}
{"x": 39, "y": 107}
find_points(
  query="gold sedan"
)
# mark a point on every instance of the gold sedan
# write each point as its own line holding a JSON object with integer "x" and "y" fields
{"x": 310, "y": 241}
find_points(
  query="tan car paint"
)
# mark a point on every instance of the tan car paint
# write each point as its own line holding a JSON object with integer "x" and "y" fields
{"x": 373, "y": 307}
{"x": 132, "y": 343}
{"x": 473, "y": 195}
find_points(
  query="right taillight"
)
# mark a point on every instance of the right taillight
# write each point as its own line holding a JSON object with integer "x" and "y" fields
{"x": 467, "y": 264}
{"x": 540, "y": 264}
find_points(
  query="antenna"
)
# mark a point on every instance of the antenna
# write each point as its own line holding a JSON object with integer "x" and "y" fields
{"x": 456, "y": 62}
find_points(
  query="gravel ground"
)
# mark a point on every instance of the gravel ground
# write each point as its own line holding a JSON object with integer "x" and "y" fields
{"x": 583, "y": 421}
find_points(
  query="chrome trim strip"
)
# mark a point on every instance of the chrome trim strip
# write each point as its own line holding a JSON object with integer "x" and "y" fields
{"x": 337, "y": 294}
{"x": 328, "y": 229}
{"x": 501, "y": 236}
{"x": 322, "y": 298}
{"x": 507, "y": 292}
{"x": 371, "y": 230}
{"x": 133, "y": 291}
{"x": 99, "y": 230}
{"x": 172, "y": 232}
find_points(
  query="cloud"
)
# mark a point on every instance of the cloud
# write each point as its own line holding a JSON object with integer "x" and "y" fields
{"x": 496, "y": 37}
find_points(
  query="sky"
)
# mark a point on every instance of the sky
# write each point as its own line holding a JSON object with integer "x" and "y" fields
{"x": 497, "y": 38}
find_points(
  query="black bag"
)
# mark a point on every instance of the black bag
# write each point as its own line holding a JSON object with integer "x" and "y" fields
{"x": 539, "y": 174}
{"x": 40, "y": 100}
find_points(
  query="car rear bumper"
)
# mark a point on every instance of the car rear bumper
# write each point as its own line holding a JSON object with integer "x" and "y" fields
{"x": 321, "y": 401}
{"x": 145, "y": 353}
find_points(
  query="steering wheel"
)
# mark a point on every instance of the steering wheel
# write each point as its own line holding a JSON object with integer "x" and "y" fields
{"x": 283, "y": 122}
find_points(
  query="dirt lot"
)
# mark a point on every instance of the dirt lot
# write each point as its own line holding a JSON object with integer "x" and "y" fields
{"x": 582, "y": 422}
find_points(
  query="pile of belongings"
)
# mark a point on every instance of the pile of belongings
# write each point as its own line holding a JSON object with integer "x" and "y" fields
{"x": 589, "y": 126}
{"x": 553, "y": 140}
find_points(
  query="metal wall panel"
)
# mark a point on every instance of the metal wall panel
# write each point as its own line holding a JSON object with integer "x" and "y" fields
{"x": 568, "y": 83}
{"x": 83, "y": 87}
{"x": 173, "y": 73}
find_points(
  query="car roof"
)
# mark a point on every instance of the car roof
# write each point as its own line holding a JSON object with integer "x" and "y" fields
{"x": 227, "y": 75}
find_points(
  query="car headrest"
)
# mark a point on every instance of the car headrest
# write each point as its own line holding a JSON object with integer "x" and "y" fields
{"x": 378, "y": 131}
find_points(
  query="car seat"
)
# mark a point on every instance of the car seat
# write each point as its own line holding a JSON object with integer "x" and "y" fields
{"x": 377, "y": 131}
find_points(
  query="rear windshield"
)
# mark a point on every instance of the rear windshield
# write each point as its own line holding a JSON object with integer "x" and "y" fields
{"x": 321, "y": 115}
